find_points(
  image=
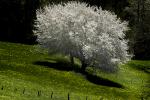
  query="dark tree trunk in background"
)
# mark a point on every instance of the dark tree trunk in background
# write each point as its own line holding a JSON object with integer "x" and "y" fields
{"x": 72, "y": 60}
{"x": 83, "y": 66}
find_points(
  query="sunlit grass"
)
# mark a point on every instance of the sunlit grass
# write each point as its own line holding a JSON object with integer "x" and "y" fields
{"x": 21, "y": 77}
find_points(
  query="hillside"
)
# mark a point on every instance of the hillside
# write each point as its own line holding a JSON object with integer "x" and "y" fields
{"x": 29, "y": 74}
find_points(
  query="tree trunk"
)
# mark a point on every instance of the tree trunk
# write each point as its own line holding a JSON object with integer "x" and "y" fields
{"x": 138, "y": 11}
{"x": 83, "y": 67}
{"x": 72, "y": 60}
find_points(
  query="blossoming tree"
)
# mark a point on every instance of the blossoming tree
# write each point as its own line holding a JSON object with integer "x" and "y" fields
{"x": 95, "y": 36}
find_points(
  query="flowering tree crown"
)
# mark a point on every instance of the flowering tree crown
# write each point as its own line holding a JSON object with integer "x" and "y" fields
{"x": 93, "y": 35}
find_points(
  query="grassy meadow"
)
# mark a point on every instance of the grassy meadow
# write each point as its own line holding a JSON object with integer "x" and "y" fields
{"x": 29, "y": 74}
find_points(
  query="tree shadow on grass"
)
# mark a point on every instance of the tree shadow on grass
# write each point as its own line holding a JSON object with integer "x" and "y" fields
{"x": 59, "y": 65}
{"x": 55, "y": 65}
{"x": 66, "y": 66}
{"x": 102, "y": 81}
{"x": 141, "y": 67}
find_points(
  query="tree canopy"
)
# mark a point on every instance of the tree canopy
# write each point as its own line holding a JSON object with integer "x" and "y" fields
{"x": 95, "y": 36}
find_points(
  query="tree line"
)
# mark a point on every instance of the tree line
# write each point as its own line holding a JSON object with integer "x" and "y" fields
{"x": 17, "y": 20}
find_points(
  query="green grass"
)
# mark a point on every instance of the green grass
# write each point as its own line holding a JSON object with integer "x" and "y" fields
{"x": 22, "y": 76}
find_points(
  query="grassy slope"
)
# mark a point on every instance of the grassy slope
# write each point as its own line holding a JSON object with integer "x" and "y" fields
{"x": 20, "y": 73}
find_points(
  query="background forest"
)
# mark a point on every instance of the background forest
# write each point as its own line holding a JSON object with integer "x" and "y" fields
{"x": 17, "y": 19}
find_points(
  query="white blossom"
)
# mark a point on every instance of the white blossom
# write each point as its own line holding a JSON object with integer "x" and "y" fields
{"x": 88, "y": 33}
